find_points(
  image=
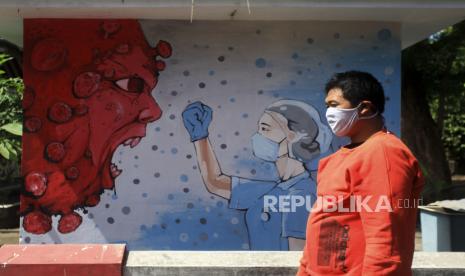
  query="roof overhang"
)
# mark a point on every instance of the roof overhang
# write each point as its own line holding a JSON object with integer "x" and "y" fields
{"x": 418, "y": 19}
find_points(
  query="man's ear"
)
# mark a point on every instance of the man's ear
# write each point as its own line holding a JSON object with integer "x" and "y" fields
{"x": 367, "y": 108}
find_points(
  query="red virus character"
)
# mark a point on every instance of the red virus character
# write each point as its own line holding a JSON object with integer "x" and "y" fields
{"x": 89, "y": 86}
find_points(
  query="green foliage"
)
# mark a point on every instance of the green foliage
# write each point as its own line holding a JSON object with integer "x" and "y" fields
{"x": 441, "y": 61}
{"x": 11, "y": 93}
{"x": 454, "y": 127}
{"x": 453, "y": 133}
{"x": 433, "y": 190}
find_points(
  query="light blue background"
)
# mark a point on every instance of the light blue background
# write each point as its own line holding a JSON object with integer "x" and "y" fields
{"x": 160, "y": 201}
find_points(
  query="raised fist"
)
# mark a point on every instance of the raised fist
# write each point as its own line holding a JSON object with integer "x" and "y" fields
{"x": 196, "y": 118}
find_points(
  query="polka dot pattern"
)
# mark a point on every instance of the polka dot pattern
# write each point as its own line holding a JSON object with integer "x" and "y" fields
{"x": 160, "y": 200}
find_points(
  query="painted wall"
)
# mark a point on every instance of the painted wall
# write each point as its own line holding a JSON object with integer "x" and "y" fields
{"x": 95, "y": 85}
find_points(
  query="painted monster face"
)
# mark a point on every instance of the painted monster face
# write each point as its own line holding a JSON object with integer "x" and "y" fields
{"x": 86, "y": 95}
{"x": 120, "y": 108}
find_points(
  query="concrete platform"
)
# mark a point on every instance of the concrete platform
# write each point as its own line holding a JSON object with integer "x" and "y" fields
{"x": 211, "y": 263}
{"x": 439, "y": 263}
{"x": 106, "y": 260}
{"x": 63, "y": 259}
{"x": 262, "y": 263}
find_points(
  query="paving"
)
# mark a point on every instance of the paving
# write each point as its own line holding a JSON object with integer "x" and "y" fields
{"x": 9, "y": 236}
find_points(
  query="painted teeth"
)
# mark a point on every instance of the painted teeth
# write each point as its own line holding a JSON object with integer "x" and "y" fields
{"x": 132, "y": 142}
{"x": 135, "y": 142}
{"x": 114, "y": 170}
{"x": 116, "y": 173}
{"x": 113, "y": 167}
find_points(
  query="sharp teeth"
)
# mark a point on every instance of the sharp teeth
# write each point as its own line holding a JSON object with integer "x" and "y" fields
{"x": 135, "y": 142}
{"x": 128, "y": 141}
{"x": 115, "y": 173}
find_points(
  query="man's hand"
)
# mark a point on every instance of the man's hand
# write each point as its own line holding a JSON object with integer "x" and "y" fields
{"x": 196, "y": 118}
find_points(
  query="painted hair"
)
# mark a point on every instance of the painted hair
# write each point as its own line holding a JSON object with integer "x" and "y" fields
{"x": 313, "y": 136}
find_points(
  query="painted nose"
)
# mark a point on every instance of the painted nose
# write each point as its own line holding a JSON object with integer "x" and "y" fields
{"x": 151, "y": 113}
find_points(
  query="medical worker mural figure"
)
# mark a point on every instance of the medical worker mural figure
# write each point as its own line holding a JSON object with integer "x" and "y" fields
{"x": 290, "y": 134}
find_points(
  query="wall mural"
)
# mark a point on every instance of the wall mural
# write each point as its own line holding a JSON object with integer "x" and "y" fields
{"x": 81, "y": 103}
{"x": 172, "y": 135}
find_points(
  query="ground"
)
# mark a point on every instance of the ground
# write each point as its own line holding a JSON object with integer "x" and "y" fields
{"x": 9, "y": 236}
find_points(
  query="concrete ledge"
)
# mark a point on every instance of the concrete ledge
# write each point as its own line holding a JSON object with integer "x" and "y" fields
{"x": 62, "y": 259}
{"x": 106, "y": 260}
{"x": 262, "y": 263}
{"x": 439, "y": 263}
{"x": 211, "y": 263}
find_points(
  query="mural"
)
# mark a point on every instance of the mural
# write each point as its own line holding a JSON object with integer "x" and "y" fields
{"x": 290, "y": 133}
{"x": 80, "y": 104}
{"x": 242, "y": 127}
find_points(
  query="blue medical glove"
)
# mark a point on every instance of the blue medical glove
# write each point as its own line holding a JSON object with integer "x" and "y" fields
{"x": 196, "y": 118}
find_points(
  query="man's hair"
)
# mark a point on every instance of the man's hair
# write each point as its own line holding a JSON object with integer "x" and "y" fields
{"x": 358, "y": 86}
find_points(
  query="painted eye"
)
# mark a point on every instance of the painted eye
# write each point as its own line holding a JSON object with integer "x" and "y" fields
{"x": 132, "y": 84}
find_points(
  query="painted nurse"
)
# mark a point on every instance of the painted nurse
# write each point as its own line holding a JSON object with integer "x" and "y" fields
{"x": 290, "y": 134}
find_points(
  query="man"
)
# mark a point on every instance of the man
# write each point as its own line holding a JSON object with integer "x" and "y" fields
{"x": 364, "y": 220}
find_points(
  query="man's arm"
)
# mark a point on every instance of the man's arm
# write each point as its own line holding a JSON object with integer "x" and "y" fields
{"x": 303, "y": 263}
{"x": 385, "y": 176}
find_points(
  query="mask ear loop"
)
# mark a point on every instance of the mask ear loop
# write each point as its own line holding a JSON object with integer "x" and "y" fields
{"x": 369, "y": 117}
{"x": 284, "y": 129}
{"x": 383, "y": 128}
{"x": 281, "y": 126}
{"x": 279, "y": 123}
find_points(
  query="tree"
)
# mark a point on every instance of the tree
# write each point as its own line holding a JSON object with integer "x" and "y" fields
{"x": 11, "y": 91}
{"x": 433, "y": 78}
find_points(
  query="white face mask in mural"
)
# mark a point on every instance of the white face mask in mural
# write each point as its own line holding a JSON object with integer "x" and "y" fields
{"x": 265, "y": 148}
{"x": 341, "y": 120}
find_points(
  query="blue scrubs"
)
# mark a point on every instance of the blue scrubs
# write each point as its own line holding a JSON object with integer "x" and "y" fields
{"x": 268, "y": 229}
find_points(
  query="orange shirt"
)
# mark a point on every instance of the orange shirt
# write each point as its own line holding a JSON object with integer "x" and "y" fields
{"x": 376, "y": 187}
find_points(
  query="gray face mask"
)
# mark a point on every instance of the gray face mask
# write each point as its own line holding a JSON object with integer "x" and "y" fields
{"x": 341, "y": 120}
